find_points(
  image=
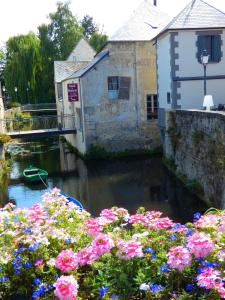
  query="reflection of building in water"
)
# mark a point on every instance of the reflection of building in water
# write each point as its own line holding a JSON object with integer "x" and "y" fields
{"x": 71, "y": 165}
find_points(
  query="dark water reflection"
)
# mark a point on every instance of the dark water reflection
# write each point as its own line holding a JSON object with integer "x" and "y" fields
{"x": 129, "y": 183}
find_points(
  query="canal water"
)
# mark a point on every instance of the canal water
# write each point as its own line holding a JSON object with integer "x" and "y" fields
{"x": 98, "y": 184}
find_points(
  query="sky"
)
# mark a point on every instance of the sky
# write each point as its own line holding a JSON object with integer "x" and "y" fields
{"x": 22, "y": 16}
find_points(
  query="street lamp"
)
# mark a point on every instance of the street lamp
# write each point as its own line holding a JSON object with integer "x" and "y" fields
{"x": 16, "y": 90}
{"x": 3, "y": 89}
{"x": 204, "y": 60}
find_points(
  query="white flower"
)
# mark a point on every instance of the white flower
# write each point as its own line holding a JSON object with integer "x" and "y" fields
{"x": 144, "y": 287}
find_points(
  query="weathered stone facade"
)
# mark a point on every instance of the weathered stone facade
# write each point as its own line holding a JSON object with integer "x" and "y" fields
{"x": 116, "y": 124}
{"x": 195, "y": 142}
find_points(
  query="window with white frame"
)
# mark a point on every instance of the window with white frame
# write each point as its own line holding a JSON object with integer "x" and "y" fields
{"x": 152, "y": 107}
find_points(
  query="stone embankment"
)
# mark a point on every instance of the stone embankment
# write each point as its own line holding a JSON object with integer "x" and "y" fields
{"x": 195, "y": 147}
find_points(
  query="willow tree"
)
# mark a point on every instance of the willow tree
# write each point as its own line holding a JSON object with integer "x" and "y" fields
{"x": 23, "y": 64}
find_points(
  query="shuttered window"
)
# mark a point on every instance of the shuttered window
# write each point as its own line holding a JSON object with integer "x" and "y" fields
{"x": 212, "y": 44}
{"x": 119, "y": 87}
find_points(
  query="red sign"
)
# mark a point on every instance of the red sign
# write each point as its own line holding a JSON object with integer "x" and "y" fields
{"x": 72, "y": 89}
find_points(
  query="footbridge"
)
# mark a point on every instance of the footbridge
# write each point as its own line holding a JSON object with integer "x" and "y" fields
{"x": 39, "y": 126}
{"x": 41, "y": 107}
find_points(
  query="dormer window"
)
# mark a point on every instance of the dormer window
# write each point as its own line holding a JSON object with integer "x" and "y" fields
{"x": 212, "y": 44}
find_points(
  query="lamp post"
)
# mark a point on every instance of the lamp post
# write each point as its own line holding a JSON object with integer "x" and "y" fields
{"x": 3, "y": 89}
{"x": 16, "y": 90}
{"x": 204, "y": 60}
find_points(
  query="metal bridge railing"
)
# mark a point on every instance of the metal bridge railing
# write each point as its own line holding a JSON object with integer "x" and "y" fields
{"x": 39, "y": 122}
{"x": 39, "y": 106}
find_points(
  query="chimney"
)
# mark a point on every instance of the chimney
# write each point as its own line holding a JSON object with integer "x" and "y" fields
{"x": 155, "y": 2}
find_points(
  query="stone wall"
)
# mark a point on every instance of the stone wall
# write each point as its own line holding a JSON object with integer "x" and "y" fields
{"x": 195, "y": 144}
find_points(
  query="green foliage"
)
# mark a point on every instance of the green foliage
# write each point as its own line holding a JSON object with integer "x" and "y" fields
{"x": 98, "y": 40}
{"x": 4, "y": 138}
{"x": 170, "y": 163}
{"x": 64, "y": 30}
{"x": 13, "y": 104}
{"x": 4, "y": 171}
{"x": 88, "y": 25}
{"x": 198, "y": 136}
{"x": 23, "y": 64}
{"x": 194, "y": 186}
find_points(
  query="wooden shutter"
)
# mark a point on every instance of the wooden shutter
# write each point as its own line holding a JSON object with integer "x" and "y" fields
{"x": 124, "y": 88}
{"x": 216, "y": 48}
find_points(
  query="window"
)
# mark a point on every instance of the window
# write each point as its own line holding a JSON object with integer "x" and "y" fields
{"x": 152, "y": 107}
{"x": 168, "y": 98}
{"x": 119, "y": 87}
{"x": 59, "y": 91}
{"x": 212, "y": 44}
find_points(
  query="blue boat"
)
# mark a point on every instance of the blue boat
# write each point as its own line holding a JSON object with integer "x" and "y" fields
{"x": 74, "y": 200}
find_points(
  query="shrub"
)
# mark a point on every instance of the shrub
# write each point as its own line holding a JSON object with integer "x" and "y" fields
{"x": 55, "y": 250}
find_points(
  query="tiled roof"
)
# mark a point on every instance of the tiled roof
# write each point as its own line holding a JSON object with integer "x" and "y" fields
{"x": 90, "y": 65}
{"x": 146, "y": 22}
{"x": 63, "y": 69}
{"x": 197, "y": 14}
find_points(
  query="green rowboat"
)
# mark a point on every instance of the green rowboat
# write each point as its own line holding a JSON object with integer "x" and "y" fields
{"x": 33, "y": 174}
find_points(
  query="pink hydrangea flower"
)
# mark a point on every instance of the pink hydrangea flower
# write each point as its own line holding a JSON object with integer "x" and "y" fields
{"x": 66, "y": 288}
{"x": 160, "y": 223}
{"x": 36, "y": 213}
{"x": 211, "y": 279}
{"x": 109, "y": 215}
{"x": 179, "y": 257}
{"x": 129, "y": 249}
{"x": 200, "y": 244}
{"x": 86, "y": 256}
{"x": 102, "y": 244}
{"x": 93, "y": 226}
{"x": 66, "y": 261}
{"x": 138, "y": 219}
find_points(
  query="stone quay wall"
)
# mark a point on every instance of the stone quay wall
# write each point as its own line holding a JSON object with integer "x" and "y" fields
{"x": 194, "y": 144}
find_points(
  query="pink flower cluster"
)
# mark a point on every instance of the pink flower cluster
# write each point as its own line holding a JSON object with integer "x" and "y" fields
{"x": 66, "y": 288}
{"x": 179, "y": 257}
{"x": 36, "y": 214}
{"x": 66, "y": 261}
{"x": 200, "y": 244}
{"x": 211, "y": 279}
{"x": 102, "y": 244}
{"x": 151, "y": 220}
{"x": 93, "y": 226}
{"x": 86, "y": 256}
{"x": 129, "y": 249}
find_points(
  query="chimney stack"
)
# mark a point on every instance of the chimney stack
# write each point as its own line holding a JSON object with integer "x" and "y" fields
{"x": 155, "y": 2}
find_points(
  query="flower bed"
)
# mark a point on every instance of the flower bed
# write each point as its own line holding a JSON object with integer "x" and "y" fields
{"x": 55, "y": 251}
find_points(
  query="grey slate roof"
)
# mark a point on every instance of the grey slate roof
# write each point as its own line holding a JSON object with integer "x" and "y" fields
{"x": 197, "y": 14}
{"x": 90, "y": 65}
{"x": 63, "y": 69}
{"x": 138, "y": 27}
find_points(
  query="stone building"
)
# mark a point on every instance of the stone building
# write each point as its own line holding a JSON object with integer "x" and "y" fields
{"x": 180, "y": 45}
{"x": 114, "y": 97}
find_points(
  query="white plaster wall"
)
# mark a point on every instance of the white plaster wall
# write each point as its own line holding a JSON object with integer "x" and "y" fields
{"x": 2, "y": 125}
{"x": 69, "y": 108}
{"x": 192, "y": 93}
{"x": 82, "y": 52}
{"x": 188, "y": 63}
{"x": 163, "y": 69}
